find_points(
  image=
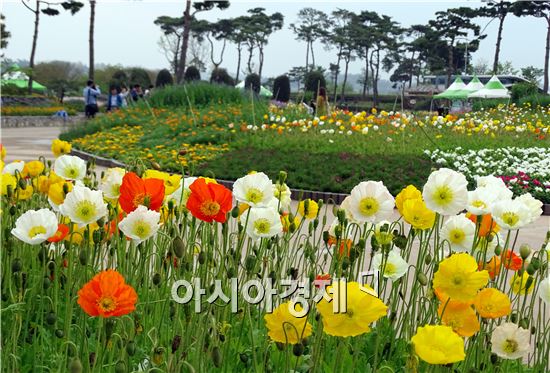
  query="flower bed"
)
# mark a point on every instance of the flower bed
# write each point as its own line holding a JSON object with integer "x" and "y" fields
{"x": 145, "y": 270}
{"x": 34, "y": 110}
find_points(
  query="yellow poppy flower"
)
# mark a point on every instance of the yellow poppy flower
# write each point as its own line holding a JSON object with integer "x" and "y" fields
{"x": 7, "y": 180}
{"x": 284, "y": 327}
{"x": 459, "y": 278}
{"x": 416, "y": 213}
{"x": 522, "y": 283}
{"x": 308, "y": 209}
{"x": 356, "y": 309}
{"x": 60, "y": 147}
{"x": 410, "y": 192}
{"x": 438, "y": 344}
{"x": 33, "y": 169}
{"x": 24, "y": 194}
{"x": 56, "y": 194}
{"x": 491, "y": 303}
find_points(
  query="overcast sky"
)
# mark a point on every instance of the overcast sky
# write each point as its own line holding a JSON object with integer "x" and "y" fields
{"x": 125, "y": 33}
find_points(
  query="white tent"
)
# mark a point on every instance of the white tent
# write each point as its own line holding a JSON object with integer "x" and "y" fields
{"x": 263, "y": 91}
{"x": 493, "y": 89}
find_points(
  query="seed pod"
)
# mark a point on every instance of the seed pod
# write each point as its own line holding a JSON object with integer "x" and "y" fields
{"x": 216, "y": 357}
{"x": 75, "y": 366}
{"x": 16, "y": 265}
{"x": 131, "y": 348}
{"x": 51, "y": 318}
{"x": 298, "y": 349}
{"x": 178, "y": 246}
{"x": 156, "y": 279}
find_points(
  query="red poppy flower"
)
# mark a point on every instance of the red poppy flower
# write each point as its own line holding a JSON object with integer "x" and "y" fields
{"x": 208, "y": 201}
{"x": 107, "y": 295}
{"x": 322, "y": 280}
{"x": 62, "y": 231}
{"x": 135, "y": 191}
{"x": 511, "y": 260}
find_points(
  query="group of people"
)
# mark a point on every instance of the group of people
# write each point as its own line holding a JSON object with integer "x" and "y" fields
{"x": 116, "y": 99}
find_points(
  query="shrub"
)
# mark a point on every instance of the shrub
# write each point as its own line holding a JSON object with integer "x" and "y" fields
{"x": 520, "y": 90}
{"x": 252, "y": 81}
{"x": 535, "y": 100}
{"x": 489, "y": 104}
{"x": 196, "y": 94}
{"x": 139, "y": 76}
{"x": 13, "y": 90}
{"x": 314, "y": 80}
{"x": 281, "y": 88}
{"x": 119, "y": 79}
{"x": 221, "y": 76}
{"x": 164, "y": 78}
{"x": 192, "y": 74}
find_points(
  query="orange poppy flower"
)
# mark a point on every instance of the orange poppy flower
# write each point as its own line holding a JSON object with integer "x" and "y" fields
{"x": 135, "y": 191}
{"x": 459, "y": 316}
{"x": 487, "y": 226}
{"x": 345, "y": 245}
{"x": 208, "y": 201}
{"x": 62, "y": 231}
{"x": 322, "y": 280}
{"x": 511, "y": 260}
{"x": 492, "y": 266}
{"x": 491, "y": 303}
{"x": 107, "y": 295}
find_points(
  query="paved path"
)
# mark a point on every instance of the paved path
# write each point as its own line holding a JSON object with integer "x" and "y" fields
{"x": 29, "y": 143}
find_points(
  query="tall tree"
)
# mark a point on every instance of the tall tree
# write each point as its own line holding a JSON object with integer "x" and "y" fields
{"x": 50, "y": 10}
{"x": 497, "y": 9}
{"x": 4, "y": 34}
{"x": 238, "y": 37}
{"x": 91, "y": 40}
{"x": 313, "y": 25}
{"x": 539, "y": 9}
{"x": 364, "y": 35}
{"x": 452, "y": 25}
{"x": 199, "y": 6}
{"x": 219, "y": 31}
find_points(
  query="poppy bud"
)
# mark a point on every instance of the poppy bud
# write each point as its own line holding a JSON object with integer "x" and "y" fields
{"x": 9, "y": 191}
{"x": 250, "y": 263}
{"x": 528, "y": 283}
{"x": 96, "y": 236}
{"x": 22, "y": 184}
{"x": 202, "y": 257}
{"x": 131, "y": 348}
{"x": 178, "y": 246}
{"x": 280, "y": 346}
{"x": 75, "y": 366}
{"x": 83, "y": 257}
{"x": 531, "y": 269}
{"x": 533, "y": 330}
{"x": 46, "y": 283}
{"x": 120, "y": 367}
{"x": 298, "y": 349}
{"x": 92, "y": 358}
{"x": 65, "y": 188}
{"x": 156, "y": 279}
{"x": 155, "y": 165}
{"x": 16, "y": 265}
{"x": 59, "y": 333}
{"x": 158, "y": 356}
{"x": 514, "y": 317}
{"x": 341, "y": 215}
{"x": 428, "y": 259}
{"x": 326, "y": 237}
{"x": 13, "y": 210}
{"x": 422, "y": 279}
{"x": 176, "y": 343}
{"x": 100, "y": 222}
{"x": 182, "y": 152}
{"x": 109, "y": 327}
{"x": 535, "y": 262}
{"x": 282, "y": 177}
{"x": 230, "y": 272}
{"x": 243, "y": 357}
{"x": 217, "y": 357}
{"x": 524, "y": 323}
{"x": 498, "y": 250}
{"x": 51, "y": 318}
{"x": 524, "y": 251}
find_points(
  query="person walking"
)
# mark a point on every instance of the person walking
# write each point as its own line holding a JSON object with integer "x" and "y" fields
{"x": 90, "y": 93}
{"x": 114, "y": 100}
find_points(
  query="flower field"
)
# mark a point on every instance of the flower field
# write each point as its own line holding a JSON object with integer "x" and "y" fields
{"x": 35, "y": 110}
{"x": 320, "y": 153}
{"x": 142, "y": 270}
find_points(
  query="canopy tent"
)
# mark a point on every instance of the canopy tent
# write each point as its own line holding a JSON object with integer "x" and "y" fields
{"x": 493, "y": 89}
{"x": 263, "y": 91}
{"x": 17, "y": 77}
{"x": 474, "y": 86}
{"x": 453, "y": 90}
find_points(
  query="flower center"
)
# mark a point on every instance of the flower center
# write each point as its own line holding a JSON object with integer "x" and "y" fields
{"x": 457, "y": 236}
{"x": 262, "y": 226}
{"x": 72, "y": 172}
{"x": 479, "y": 204}
{"x": 210, "y": 208}
{"x": 106, "y": 304}
{"x": 85, "y": 210}
{"x": 510, "y": 218}
{"x": 254, "y": 195}
{"x": 142, "y": 229}
{"x": 457, "y": 280}
{"x": 368, "y": 206}
{"x": 510, "y": 346}
{"x": 443, "y": 195}
{"x": 390, "y": 269}
{"x": 39, "y": 229}
{"x": 115, "y": 189}
{"x": 142, "y": 199}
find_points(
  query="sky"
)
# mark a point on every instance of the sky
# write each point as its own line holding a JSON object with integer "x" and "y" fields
{"x": 125, "y": 32}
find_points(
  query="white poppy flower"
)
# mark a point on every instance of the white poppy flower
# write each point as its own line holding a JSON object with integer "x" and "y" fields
{"x": 181, "y": 195}
{"x": 480, "y": 201}
{"x": 446, "y": 192}
{"x": 70, "y": 167}
{"x": 282, "y": 193}
{"x": 263, "y": 223}
{"x": 13, "y": 167}
{"x": 140, "y": 224}
{"x": 255, "y": 189}
{"x": 83, "y": 205}
{"x": 395, "y": 266}
{"x": 35, "y": 226}
{"x": 533, "y": 205}
{"x": 371, "y": 202}
{"x": 511, "y": 214}
{"x": 509, "y": 341}
{"x": 110, "y": 183}
{"x": 459, "y": 231}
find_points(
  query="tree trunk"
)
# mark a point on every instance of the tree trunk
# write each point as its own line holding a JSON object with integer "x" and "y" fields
{"x": 307, "y": 57}
{"x": 366, "y": 81}
{"x": 337, "y": 72}
{"x": 261, "y": 59}
{"x": 312, "y": 55}
{"x": 91, "y": 40}
{"x": 250, "y": 53}
{"x": 497, "y": 49}
{"x": 34, "y": 40}
{"x": 547, "y": 58}
{"x": 184, "y": 42}
{"x": 239, "y": 49}
{"x": 374, "y": 73}
{"x": 411, "y": 71}
{"x": 175, "y": 62}
{"x": 450, "y": 63}
{"x": 347, "y": 60}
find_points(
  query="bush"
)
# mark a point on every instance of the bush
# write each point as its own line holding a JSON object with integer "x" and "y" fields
{"x": 252, "y": 81}
{"x": 314, "y": 80}
{"x": 221, "y": 76}
{"x": 13, "y": 90}
{"x": 119, "y": 79}
{"x": 192, "y": 74}
{"x": 535, "y": 100}
{"x": 281, "y": 88}
{"x": 521, "y": 90}
{"x": 164, "y": 78}
{"x": 489, "y": 104}
{"x": 196, "y": 94}
{"x": 139, "y": 76}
